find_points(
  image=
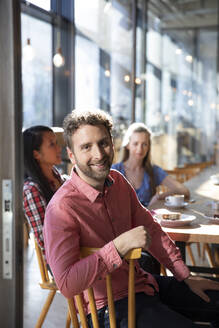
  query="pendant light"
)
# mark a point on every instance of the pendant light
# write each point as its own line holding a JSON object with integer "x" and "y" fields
{"x": 58, "y": 58}
{"x": 28, "y": 51}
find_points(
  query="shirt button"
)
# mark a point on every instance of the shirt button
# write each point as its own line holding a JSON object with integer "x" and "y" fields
{"x": 100, "y": 278}
{"x": 115, "y": 266}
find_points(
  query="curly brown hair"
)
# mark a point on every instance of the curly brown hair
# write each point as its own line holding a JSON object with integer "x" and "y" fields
{"x": 79, "y": 117}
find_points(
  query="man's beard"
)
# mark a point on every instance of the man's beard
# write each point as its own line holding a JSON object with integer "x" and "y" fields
{"x": 90, "y": 172}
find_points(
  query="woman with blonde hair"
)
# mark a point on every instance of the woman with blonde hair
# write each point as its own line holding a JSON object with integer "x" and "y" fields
{"x": 137, "y": 167}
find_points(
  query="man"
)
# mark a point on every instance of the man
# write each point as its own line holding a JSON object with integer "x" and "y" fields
{"x": 97, "y": 207}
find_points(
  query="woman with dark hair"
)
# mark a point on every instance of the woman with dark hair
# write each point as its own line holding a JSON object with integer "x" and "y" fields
{"x": 42, "y": 179}
{"x": 136, "y": 166}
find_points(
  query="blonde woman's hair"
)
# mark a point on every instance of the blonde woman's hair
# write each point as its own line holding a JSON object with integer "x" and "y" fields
{"x": 139, "y": 128}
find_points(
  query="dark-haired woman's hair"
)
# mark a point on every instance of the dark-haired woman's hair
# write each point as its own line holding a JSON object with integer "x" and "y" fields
{"x": 32, "y": 140}
{"x": 139, "y": 127}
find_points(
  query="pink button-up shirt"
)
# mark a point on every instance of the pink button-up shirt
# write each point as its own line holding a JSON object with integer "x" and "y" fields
{"x": 79, "y": 215}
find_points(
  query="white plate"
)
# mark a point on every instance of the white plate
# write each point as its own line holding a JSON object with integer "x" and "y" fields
{"x": 184, "y": 220}
{"x": 176, "y": 206}
{"x": 212, "y": 219}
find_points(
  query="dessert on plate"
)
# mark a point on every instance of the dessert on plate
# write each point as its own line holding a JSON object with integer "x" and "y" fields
{"x": 171, "y": 216}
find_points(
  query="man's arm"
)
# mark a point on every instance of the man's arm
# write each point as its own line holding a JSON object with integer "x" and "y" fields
{"x": 161, "y": 246}
{"x": 62, "y": 244}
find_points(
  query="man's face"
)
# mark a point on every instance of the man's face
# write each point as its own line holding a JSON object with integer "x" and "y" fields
{"x": 93, "y": 153}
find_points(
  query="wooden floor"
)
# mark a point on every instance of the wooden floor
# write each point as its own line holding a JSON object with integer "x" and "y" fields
{"x": 34, "y": 296}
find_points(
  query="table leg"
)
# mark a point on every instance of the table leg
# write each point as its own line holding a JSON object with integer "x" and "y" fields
{"x": 182, "y": 246}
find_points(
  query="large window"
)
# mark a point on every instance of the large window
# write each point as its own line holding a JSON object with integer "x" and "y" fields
{"x": 181, "y": 84}
{"x": 44, "y": 4}
{"x": 171, "y": 86}
{"x": 103, "y": 56}
{"x": 36, "y": 71}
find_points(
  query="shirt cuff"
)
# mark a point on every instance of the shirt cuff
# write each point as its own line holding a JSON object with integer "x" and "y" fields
{"x": 181, "y": 271}
{"x": 110, "y": 256}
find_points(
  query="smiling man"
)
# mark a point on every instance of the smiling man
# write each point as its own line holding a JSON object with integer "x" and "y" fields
{"x": 97, "y": 207}
{"x": 92, "y": 151}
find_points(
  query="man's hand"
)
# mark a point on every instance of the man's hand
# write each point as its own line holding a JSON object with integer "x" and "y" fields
{"x": 134, "y": 238}
{"x": 198, "y": 285}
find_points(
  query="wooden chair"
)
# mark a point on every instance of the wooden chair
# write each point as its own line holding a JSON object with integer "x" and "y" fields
{"x": 183, "y": 174}
{"x": 201, "y": 165}
{"x": 131, "y": 257}
{"x": 49, "y": 284}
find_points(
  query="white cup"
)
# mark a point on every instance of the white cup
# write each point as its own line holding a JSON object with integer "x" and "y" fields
{"x": 175, "y": 200}
{"x": 215, "y": 179}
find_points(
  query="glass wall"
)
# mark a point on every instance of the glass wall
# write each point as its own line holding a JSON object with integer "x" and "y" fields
{"x": 173, "y": 80}
{"x": 36, "y": 71}
{"x": 44, "y": 4}
{"x": 181, "y": 92}
{"x": 103, "y": 49}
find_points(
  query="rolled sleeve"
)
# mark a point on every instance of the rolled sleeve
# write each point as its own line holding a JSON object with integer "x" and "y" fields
{"x": 110, "y": 257}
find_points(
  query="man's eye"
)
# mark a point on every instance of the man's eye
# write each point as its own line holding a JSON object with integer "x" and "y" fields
{"x": 104, "y": 143}
{"x": 85, "y": 147}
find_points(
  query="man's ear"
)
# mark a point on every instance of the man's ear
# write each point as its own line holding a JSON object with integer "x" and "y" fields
{"x": 70, "y": 155}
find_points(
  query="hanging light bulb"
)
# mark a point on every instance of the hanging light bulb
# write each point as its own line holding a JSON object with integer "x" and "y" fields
{"x": 28, "y": 51}
{"x": 58, "y": 58}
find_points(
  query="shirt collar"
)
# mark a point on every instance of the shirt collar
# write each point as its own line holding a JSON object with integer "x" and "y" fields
{"x": 86, "y": 189}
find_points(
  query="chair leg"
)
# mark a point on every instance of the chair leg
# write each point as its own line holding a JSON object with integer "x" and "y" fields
{"x": 209, "y": 255}
{"x": 73, "y": 314}
{"x": 198, "y": 249}
{"x": 45, "y": 309}
{"x": 68, "y": 320}
{"x": 189, "y": 250}
{"x": 216, "y": 257}
{"x": 203, "y": 251}
{"x": 163, "y": 270}
{"x": 210, "y": 258}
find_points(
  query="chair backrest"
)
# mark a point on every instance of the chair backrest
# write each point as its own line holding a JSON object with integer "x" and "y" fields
{"x": 201, "y": 165}
{"x": 131, "y": 257}
{"x": 47, "y": 279}
{"x": 183, "y": 174}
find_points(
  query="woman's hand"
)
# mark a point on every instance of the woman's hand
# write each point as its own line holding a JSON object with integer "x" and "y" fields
{"x": 154, "y": 199}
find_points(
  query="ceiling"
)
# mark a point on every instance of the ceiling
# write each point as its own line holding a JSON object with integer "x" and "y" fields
{"x": 185, "y": 13}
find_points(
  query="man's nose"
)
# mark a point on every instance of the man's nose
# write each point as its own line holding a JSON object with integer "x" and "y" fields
{"x": 98, "y": 152}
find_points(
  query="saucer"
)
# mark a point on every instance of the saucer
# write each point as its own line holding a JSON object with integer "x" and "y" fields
{"x": 183, "y": 221}
{"x": 176, "y": 206}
